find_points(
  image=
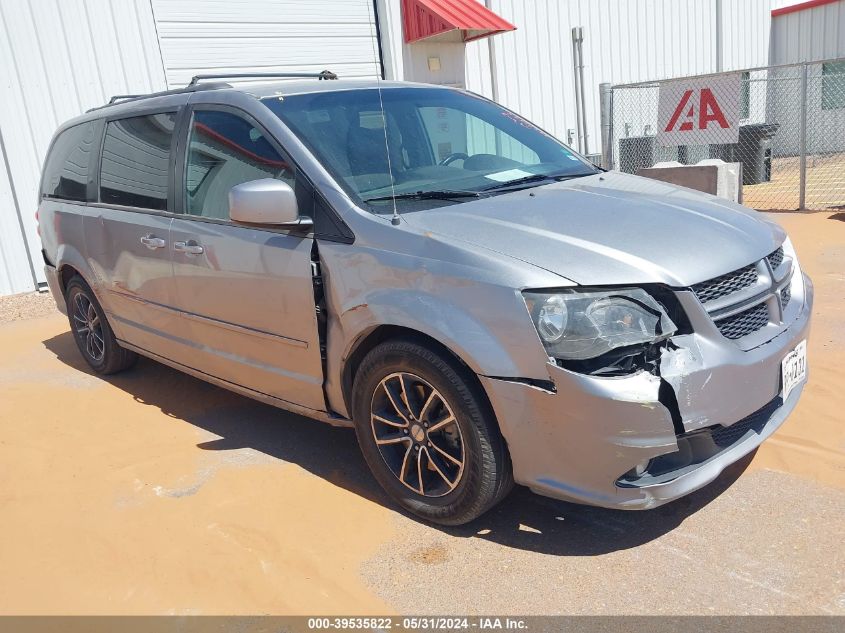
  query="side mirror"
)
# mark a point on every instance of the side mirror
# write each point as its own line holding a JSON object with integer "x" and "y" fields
{"x": 265, "y": 201}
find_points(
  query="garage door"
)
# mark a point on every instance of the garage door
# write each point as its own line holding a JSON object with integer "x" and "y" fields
{"x": 204, "y": 36}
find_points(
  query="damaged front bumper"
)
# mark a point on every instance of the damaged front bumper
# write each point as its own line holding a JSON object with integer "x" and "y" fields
{"x": 639, "y": 441}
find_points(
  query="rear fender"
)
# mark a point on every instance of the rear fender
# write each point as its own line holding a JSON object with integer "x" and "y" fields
{"x": 69, "y": 255}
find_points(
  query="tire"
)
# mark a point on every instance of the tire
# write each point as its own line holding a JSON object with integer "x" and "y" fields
{"x": 419, "y": 443}
{"x": 92, "y": 332}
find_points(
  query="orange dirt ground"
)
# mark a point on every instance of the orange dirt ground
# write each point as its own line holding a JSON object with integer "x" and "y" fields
{"x": 825, "y": 184}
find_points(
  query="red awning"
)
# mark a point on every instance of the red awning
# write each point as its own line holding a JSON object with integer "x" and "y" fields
{"x": 810, "y": 4}
{"x": 450, "y": 20}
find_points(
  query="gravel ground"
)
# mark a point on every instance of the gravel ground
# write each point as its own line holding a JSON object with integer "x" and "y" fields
{"x": 764, "y": 543}
{"x": 26, "y": 306}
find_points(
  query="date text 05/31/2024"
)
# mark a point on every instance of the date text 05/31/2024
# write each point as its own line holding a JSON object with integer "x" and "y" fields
{"x": 417, "y": 623}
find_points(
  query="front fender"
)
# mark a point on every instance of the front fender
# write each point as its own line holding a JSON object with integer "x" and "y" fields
{"x": 473, "y": 340}
{"x": 485, "y": 324}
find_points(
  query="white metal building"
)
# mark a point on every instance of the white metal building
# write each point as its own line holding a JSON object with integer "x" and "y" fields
{"x": 61, "y": 57}
{"x": 814, "y": 31}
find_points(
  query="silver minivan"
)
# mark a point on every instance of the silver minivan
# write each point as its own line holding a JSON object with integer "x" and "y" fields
{"x": 482, "y": 304}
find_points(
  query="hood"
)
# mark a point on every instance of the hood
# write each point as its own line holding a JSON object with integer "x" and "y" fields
{"x": 612, "y": 228}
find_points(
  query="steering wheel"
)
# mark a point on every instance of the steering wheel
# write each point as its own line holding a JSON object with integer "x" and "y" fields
{"x": 453, "y": 157}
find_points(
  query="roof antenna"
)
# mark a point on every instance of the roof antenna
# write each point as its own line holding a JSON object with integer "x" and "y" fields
{"x": 394, "y": 220}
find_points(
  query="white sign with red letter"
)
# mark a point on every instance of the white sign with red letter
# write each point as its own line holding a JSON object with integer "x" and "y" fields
{"x": 699, "y": 111}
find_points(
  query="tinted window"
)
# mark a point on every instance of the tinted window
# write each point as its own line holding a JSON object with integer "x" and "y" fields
{"x": 66, "y": 170}
{"x": 226, "y": 150}
{"x": 136, "y": 161}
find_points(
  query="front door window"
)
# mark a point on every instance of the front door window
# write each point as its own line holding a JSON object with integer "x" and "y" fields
{"x": 226, "y": 150}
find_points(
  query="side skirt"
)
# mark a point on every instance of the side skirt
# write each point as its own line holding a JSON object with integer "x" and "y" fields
{"x": 321, "y": 416}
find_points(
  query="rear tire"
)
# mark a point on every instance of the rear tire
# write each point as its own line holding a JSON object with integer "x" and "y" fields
{"x": 428, "y": 433}
{"x": 92, "y": 332}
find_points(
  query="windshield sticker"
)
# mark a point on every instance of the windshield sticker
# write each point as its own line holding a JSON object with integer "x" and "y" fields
{"x": 517, "y": 119}
{"x": 510, "y": 174}
{"x": 318, "y": 116}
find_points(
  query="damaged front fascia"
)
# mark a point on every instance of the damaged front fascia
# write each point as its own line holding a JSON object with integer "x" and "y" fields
{"x": 617, "y": 423}
{"x": 664, "y": 360}
{"x": 543, "y": 385}
{"x": 676, "y": 365}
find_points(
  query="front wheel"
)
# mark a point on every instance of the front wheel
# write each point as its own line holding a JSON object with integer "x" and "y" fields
{"x": 428, "y": 434}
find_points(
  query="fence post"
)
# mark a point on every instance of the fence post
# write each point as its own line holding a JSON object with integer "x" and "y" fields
{"x": 802, "y": 142}
{"x": 606, "y": 110}
{"x": 578, "y": 89}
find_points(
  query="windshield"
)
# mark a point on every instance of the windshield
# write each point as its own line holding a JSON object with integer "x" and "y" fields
{"x": 439, "y": 142}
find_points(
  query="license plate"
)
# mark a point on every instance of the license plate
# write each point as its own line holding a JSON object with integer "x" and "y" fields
{"x": 793, "y": 368}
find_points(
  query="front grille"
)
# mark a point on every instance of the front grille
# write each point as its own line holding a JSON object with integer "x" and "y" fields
{"x": 744, "y": 323}
{"x": 726, "y": 284}
{"x": 776, "y": 258}
{"x": 751, "y": 319}
{"x": 725, "y": 436}
{"x": 785, "y": 296}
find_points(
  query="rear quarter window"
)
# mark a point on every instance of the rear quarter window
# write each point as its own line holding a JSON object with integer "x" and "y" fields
{"x": 66, "y": 170}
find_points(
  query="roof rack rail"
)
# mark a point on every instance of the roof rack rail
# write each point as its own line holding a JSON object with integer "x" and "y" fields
{"x": 326, "y": 74}
{"x": 122, "y": 97}
{"x": 164, "y": 93}
{"x": 196, "y": 85}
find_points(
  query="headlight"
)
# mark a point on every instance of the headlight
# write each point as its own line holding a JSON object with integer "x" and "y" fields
{"x": 789, "y": 250}
{"x": 580, "y": 325}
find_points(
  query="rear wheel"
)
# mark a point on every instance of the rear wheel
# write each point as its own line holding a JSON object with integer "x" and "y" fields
{"x": 91, "y": 330}
{"x": 428, "y": 434}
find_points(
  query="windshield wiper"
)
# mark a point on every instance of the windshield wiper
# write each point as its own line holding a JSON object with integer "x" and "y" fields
{"x": 525, "y": 180}
{"x": 427, "y": 195}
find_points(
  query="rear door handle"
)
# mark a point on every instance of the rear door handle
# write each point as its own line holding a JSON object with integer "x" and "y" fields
{"x": 152, "y": 242}
{"x": 190, "y": 247}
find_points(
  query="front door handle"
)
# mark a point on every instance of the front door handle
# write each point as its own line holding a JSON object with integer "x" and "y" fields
{"x": 152, "y": 242}
{"x": 190, "y": 247}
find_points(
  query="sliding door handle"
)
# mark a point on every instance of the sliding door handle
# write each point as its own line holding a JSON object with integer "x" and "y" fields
{"x": 152, "y": 242}
{"x": 190, "y": 247}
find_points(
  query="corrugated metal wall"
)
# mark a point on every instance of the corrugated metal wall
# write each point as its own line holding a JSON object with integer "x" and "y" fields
{"x": 57, "y": 59}
{"x": 810, "y": 35}
{"x": 745, "y": 33}
{"x": 202, "y": 36}
{"x": 629, "y": 41}
{"x": 61, "y": 57}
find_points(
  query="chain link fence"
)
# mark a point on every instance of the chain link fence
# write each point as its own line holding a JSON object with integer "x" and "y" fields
{"x": 791, "y": 135}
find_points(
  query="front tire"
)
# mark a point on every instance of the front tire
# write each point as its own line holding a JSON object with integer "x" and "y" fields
{"x": 92, "y": 332}
{"x": 428, "y": 433}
